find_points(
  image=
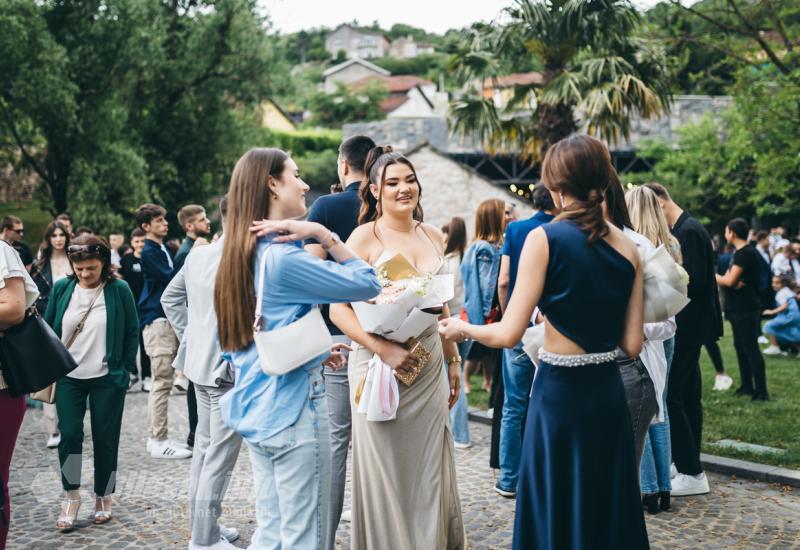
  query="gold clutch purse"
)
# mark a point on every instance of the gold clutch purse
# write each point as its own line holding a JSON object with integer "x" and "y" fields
{"x": 420, "y": 353}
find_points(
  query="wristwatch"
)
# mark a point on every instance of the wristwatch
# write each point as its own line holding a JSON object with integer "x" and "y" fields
{"x": 333, "y": 240}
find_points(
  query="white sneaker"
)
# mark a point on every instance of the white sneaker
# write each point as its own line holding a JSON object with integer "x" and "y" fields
{"x": 151, "y": 442}
{"x": 231, "y": 534}
{"x": 673, "y": 471}
{"x": 722, "y": 382}
{"x": 347, "y": 516}
{"x": 763, "y": 340}
{"x": 167, "y": 449}
{"x": 147, "y": 384}
{"x": 221, "y": 545}
{"x": 459, "y": 445}
{"x": 53, "y": 441}
{"x": 684, "y": 485}
{"x": 772, "y": 350}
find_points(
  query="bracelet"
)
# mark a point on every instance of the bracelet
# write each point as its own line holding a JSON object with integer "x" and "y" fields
{"x": 332, "y": 240}
{"x": 453, "y": 359}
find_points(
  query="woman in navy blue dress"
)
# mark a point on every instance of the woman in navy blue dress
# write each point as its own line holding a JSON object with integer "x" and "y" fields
{"x": 578, "y": 484}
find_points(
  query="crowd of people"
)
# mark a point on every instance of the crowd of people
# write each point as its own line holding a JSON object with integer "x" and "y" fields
{"x": 604, "y": 422}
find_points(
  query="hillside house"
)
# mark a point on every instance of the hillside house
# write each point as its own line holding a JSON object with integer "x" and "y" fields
{"x": 501, "y": 89}
{"x": 349, "y": 72}
{"x": 409, "y": 96}
{"x": 406, "y": 47}
{"x": 356, "y": 43}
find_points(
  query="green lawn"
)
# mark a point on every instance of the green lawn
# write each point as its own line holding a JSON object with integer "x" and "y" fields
{"x": 775, "y": 423}
{"x": 34, "y": 220}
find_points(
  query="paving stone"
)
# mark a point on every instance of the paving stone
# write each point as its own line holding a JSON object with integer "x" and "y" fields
{"x": 150, "y": 503}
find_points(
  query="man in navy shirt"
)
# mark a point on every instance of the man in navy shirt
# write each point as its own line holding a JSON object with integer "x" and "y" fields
{"x": 517, "y": 366}
{"x": 339, "y": 213}
{"x": 160, "y": 342}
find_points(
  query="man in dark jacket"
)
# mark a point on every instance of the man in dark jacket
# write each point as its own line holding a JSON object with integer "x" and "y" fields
{"x": 699, "y": 322}
{"x": 160, "y": 342}
{"x": 339, "y": 213}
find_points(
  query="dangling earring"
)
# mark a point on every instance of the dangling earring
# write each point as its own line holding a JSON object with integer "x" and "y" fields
{"x": 273, "y": 195}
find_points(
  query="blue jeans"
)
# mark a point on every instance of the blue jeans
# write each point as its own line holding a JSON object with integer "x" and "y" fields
{"x": 458, "y": 414}
{"x": 292, "y": 479}
{"x": 657, "y": 453}
{"x": 517, "y": 378}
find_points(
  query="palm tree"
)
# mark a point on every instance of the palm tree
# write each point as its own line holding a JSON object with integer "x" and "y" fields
{"x": 596, "y": 73}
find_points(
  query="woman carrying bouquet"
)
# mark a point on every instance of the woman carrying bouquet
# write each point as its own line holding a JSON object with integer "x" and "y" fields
{"x": 404, "y": 493}
{"x": 578, "y": 485}
{"x": 283, "y": 419}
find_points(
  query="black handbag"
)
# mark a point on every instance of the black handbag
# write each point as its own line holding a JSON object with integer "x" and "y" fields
{"x": 32, "y": 356}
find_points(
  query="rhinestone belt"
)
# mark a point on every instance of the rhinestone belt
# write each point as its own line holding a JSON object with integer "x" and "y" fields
{"x": 579, "y": 360}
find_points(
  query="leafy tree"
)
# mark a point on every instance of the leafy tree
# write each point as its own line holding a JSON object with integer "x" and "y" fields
{"x": 712, "y": 39}
{"x": 428, "y": 66}
{"x": 746, "y": 165}
{"x": 345, "y": 105}
{"x": 597, "y": 73}
{"x": 114, "y": 102}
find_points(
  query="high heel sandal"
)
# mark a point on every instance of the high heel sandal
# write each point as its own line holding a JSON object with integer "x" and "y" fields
{"x": 66, "y": 521}
{"x": 102, "y": 515}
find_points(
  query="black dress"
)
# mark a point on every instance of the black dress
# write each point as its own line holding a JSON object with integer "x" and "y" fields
{"x": 578, "y": 485}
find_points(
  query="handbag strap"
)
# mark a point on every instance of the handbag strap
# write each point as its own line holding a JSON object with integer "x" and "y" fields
{"x": 261, "y": 277}
{"x": 79, "y": 326}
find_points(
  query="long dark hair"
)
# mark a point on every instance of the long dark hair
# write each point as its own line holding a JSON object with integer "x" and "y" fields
{"x": 46, "y": 248}
{"x": 580, "y": 166}
{"x": 97, "y": 249}
{"x": 616, "y": 206}
{"x": 456, "y": 237}
{"x": 378, "y": 159}
{"x": 248, "y": 200}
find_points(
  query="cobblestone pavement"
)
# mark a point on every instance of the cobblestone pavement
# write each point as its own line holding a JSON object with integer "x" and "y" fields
{"x": 150, "y": 511}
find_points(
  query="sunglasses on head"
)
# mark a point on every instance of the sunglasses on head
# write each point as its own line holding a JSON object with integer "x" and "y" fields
{"x": 84, "y": 249}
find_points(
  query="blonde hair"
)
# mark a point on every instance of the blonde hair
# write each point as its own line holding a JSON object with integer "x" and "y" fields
{"x": 648, "y": 219}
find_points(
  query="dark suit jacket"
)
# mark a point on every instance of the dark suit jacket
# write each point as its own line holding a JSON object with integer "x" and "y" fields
{"x": 701, "y": 320}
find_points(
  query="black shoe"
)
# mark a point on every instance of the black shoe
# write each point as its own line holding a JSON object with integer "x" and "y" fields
{"x": 743, "y": 391}
{"x": 650, "y": 502}
{"x": 190, "y": 440}
{"x": 760, "y": 397}
{"x": 665, "y": 504}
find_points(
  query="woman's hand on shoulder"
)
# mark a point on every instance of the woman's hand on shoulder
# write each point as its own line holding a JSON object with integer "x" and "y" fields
{"x": 290, "y": 230}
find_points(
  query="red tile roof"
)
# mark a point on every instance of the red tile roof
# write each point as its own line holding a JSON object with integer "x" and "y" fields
{"x": 395, "y": 84}
{"x": 392, "y": 102}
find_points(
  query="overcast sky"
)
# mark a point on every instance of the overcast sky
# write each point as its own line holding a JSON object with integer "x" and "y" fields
{"x": 432, "y": 15}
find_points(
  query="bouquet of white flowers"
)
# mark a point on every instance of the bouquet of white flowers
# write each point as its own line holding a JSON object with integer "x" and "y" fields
{"x": 666, "y": 286}
{"x": 408, "y": 304}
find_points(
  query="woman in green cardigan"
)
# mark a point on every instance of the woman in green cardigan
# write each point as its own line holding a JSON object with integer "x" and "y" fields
{"x": 95, "y": 316}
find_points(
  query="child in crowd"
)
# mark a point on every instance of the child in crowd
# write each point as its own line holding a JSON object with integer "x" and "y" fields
{"x": 785, "y": 327}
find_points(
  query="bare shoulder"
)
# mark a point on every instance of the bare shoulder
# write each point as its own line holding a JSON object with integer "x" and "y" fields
{"x": 435, "y": 234}
{"x": 362, "y": 233}
{"x": 363, "y": 241}
{"x": 623, "y": 244}
{"x": 536, "y": 238}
